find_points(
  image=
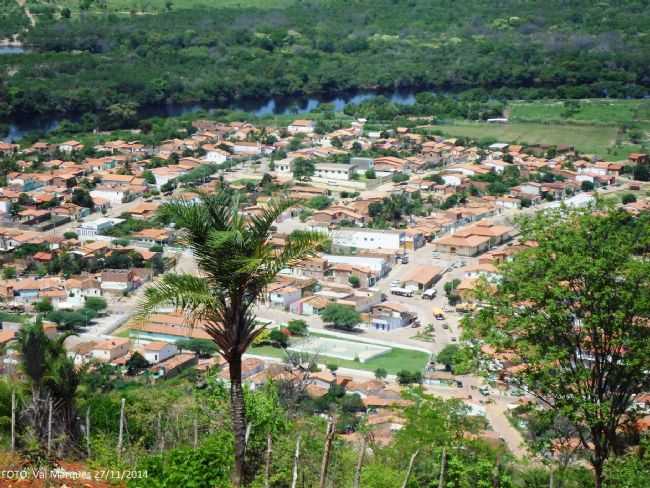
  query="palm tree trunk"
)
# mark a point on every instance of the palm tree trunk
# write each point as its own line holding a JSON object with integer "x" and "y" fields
{"x": 238, "y": 414}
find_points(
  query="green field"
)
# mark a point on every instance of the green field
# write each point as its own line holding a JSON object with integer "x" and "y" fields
{"x": 588, "y": 139}
{"x": 601, "y": 112}
{"x": 393, "y": 361}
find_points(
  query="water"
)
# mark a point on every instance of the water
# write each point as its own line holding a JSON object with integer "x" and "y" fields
{"x": 11, "y": 50}
{"x": 261, "y": 108}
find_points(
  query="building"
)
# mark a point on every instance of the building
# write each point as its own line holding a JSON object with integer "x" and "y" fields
{"x": 333, "y": 171}
{"x": 463, "y": 246}
{"x": 422, "y": 277}
{"x": 90, "y": 230}
{"x": 110, "y": 349}
{"x": 158, "y": 351}
{"x": 118, "y": 280}
{"x": 368, "y": 239}
{"x": 301, "y": 127}
{"x": 389, "y": 316}
{"x": 378, "y": 265}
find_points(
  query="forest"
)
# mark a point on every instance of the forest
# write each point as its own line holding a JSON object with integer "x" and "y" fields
{"x": 111, "y": 65}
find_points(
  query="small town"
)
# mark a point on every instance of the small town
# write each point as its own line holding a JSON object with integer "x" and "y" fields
{"x": 324, "y": 244}
{"x": 411, "y": 230}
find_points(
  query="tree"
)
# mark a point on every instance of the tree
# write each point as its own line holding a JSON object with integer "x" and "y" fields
{"x": 341, "y": 316}
{"x": 8, "y": 273}
{"x": 70, "y": 235}
{"x": 574, "y": 309}
{"x": 450, "y": 290}
{"x": 587, "y": 186}
{"x": 381, "y": 373}
{"x": 447, "y": 355}
{"x": 203, "y": 347}
{"x": 319, "y": 203}
{"x": 297, "y": 327}
{"x": 279, "y": 338}
{"x": 82, "y": 198}
{"x": 237, "y": 263}
{"x": 332, "y": 367}
{"x": 43, "y": 306}
{"x": 405, "y": 377}
{"x": 399, "y": 177}
{"x": 303, "y": 168}
{"x": 370, "y": 174}
{"x": 51, "y": 376}
{"x": 354, "y": 281}
{"x": 96, "y": 304}
{"x": 136, "y": 363}
{"x": 628, "y": 198}
{"x": 149, "y": 177}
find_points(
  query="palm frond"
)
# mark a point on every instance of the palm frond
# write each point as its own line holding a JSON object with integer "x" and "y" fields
{"x": 260, "y": 225}
{"x": 185, "y": 292}
{"x": 299, "y": 246}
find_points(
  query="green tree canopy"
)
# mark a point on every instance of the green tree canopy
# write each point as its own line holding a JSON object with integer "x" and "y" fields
{"x": 341, "y": 316}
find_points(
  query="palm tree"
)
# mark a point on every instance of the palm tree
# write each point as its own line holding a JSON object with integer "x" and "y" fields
{"x": 237, "y": 263}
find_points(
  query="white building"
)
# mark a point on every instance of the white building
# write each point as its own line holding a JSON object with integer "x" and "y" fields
{"x": 158, "y": 351}
{"x": 110, "y": 349}
{"x": 215, "y": 155}
{"x": 115, "y": 195}
{"x": 368, "y": 238}
{"x": 332, "y": 171}
{"x": 377, "y": 265}
{"x": 90, "y": 230}
{"x": 301, "y": 127}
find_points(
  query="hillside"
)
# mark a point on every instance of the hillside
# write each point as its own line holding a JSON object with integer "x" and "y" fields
{"x": 110, "y": 59}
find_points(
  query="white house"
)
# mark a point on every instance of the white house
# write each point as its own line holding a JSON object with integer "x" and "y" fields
{"x": 214, "y": 154}
{"x": 110, "y": 349}
{"x": 90, "y": 230}
{"x": 78, "y": 289}
{"x": 301, "y": 127}
{"x": 244, "y": 147}
{"x": 165, "y": 174}
{"x": 379, "y": 266}
{"x": 452, "y": 180}
{"x": 332, "y": 171}
{"x": 285, "y": 296}
{"x": 118, "y": 280}
{"x": 158, "y": 351}
{"x": 368, "y": 238}
{"x": 114, "y": 194}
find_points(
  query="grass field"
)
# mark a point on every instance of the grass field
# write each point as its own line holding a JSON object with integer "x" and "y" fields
{"x": 588, "y": 139}
{"x": 393, "y": 361}
{"x": 601, "y": 112}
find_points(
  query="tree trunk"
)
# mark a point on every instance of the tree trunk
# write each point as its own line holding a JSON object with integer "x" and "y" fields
{"x": 327, "y": 451}
{"x": 269, "y": 453}
{"x": 362, "y": 454}
{"x": 238, "y": 414}
{"x": 598, "y": 474}
{"x": 443, "y": 463}
{"x": 296, "y": 461}
{"x": 410, "y": 468}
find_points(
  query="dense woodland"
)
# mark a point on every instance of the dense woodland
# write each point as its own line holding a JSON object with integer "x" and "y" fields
{"x": 112, "y": 66}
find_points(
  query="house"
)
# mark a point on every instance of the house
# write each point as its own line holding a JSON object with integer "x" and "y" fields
{"x": 342, "y": 273}
{"x": 310, "y": 306}
{"x": 301, "y": 127}
{"x": 389, "y": 316}
{"x": 78, "y": 289}
{"x": 110, "y": 349}
{"x": 368, "y": 239}
{"x": 118, "y": 280}
{"x": 158, "y": 351}
{"x": 249, "y": 367}
{"x": 387, "y": 165}
{"x": 463, "y": 246}
{"x": 165, "y": 174}
{"x": 90, "y": 230}
{"x": 174, "y": 365}
{"x": 498, "y": 234}
{"x": 215, "y": 154}
{"x": 70, "y": 146}
{"x": 332, "y": 171}
{"x": 422, "y": 277}
{"x": 152, "y": 237}
{"x": 639, "y": 158}
{"x": 283, "y": 296}
{"x": 380, "y": 266}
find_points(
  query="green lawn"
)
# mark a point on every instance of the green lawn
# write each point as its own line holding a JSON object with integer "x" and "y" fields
{"x": 393, "y": 361}
{"x": 601, "y": 112}
{"x": 12, "y": 317}
{"x": 588, "y": 139}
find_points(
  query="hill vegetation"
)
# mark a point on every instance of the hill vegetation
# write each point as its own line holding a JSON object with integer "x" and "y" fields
{"x": 108, "y": 61}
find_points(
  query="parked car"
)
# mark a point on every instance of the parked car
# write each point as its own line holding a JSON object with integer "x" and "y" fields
{"x": 429, "y": 294}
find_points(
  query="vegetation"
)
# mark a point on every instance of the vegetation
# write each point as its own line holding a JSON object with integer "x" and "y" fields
{"x": 122, "y": 64}
{"x": 238, "y": 262}
{"x": 573, "y": 309}
{"x": 341, "y": 316}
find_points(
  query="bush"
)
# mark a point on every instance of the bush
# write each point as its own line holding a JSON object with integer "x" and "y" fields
{"x": 278, "y": 338}
{"x": 70, "y": 235}
{"x": 399, "y": 177}
{"x": 354, "y": 281}
{"x": 381, "y": 373}
{"x": 202, "y": 347}
{"x": 586, "y": 186}
{"x": 332, "y": 367}
{"x": 405, "y": 377}
{"x": 96, "y": 303}
{"x": 341, "y": 316}
{"x": 297, "y": 327}
{"x": 370, "y": 174}
{"x": 628, "y": 198}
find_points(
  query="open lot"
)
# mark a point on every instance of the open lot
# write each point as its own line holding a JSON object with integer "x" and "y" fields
{"x": 602, "y": 112}
{"x": 589, "y": 139}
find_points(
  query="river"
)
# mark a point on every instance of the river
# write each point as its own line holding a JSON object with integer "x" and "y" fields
{"x": 260, "y": 108}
